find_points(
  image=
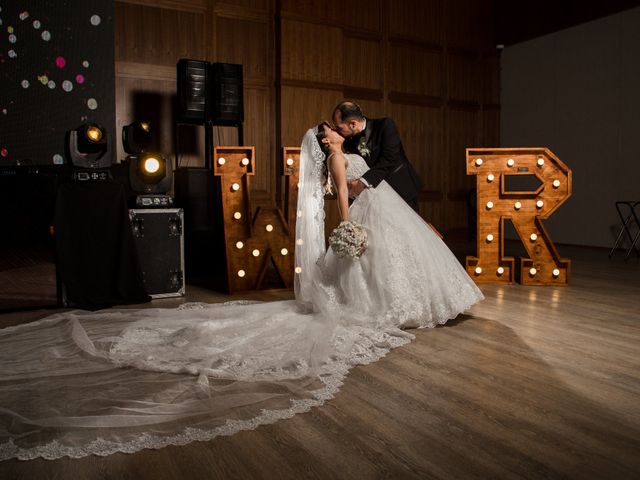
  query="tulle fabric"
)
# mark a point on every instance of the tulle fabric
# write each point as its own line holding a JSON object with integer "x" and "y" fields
{"x": 81, "y": 383}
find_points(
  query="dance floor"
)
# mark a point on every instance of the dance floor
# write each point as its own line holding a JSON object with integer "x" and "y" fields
{"x": 535, "y": 382}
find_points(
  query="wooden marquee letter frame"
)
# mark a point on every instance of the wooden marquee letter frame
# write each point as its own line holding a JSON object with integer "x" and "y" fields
{"x": 526, "y": 210}
{"x": 252, "y": 242}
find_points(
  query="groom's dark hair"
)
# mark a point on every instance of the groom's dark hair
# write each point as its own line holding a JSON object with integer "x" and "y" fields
{"x": 349, "y": 110}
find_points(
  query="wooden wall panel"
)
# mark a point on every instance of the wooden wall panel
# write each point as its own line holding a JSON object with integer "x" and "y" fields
{"x": 491, "y": 127}
{"x": 465, "y": 78}
{"x": 303, "y": 108}
{"x": 468, "y": 24}
{"x": 357, "y": 15}
{"x": 416, "y": 19}
{"x": 415, "y": 70}
{"x": 198, "y": 6}
{"x": 491, "y": 79}
{"x": 363, "y": 63}
{"x": 158, "y": 36}
{"x": 251, "y": 4}
{"x": 463, "y": 130}
{"x": 311, "y": 52}
{"x": 421, "y": 130}
{"x": 247, "y": 43}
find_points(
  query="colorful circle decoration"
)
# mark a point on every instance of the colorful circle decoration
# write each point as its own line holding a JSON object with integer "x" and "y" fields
{"x": 95, "y": 20}
{"x": 79, "y": 79}
{"x": 60, "y": 62}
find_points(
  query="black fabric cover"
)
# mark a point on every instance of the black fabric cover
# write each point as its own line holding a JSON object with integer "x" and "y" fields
{"x": 96, "y": 256}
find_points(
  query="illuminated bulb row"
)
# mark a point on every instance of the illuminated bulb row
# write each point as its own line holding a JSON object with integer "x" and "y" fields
{"x": 222, "y": 161}
{"x": 532, "y": 271}
{"x": 517, "y": 205}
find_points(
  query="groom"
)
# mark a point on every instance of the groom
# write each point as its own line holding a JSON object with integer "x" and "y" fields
{"x": 378, "y": 142}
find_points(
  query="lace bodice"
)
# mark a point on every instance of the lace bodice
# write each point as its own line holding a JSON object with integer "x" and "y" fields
{"x": 357, "y": 166}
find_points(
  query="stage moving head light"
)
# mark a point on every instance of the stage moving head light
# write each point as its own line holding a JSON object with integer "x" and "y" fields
{"x": 89, "y": 146}
{"x": 150, "y": 173}
{"x": 136, "y": 137}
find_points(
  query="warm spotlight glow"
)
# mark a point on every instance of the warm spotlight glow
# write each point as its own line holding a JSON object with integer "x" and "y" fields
{"x": 221, "y": 161}
{"x": 237, "y": 215}
{"x": 245, "y": 161}
{"x": 94, "y": 134}
{"x": 289, "y": 161}
{"x": 539, "y": 204}
{"x": 145, "y": 126}
{"x": 478, "y": 162}
{"x": 239, "y": 245}
{"x": 298, "y": 270}
{"x": 269, "y": 228}
{"x": 489, "y": 205}
{"x": 478, "y": 270}
{"x": 284, "y": 251}
{"x": 517, "y": 205}
{"x": 532, "y": 271}
{"x": 533, "y": 237}
{"x": 256, "y": 253}
{"x": 489, "y": 238}
{"x": 490, "y": 177}
{"x": 151, "y": 165}
{"x": 235, "y": 187}
{"x": 556, "y": 272}
{"x": 241, "y": 273}
{"x": 500, "y": 270}
{"x": 511, "y": 162}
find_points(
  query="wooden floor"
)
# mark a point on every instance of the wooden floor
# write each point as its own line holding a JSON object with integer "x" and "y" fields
{"x": 537, "y": 382}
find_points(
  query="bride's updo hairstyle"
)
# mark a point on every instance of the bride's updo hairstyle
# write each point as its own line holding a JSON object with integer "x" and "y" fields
{"x": 327, "y": 184}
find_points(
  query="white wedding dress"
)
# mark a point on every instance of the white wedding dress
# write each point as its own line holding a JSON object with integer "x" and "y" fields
{"x": 121, "y": 380}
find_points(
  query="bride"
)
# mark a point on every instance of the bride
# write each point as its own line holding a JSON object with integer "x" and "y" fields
{"x": 121, "y": 380}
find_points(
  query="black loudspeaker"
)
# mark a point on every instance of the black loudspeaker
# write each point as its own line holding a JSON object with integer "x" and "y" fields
{"x": 225, "y": 87}
{"x": 192, "y": 91}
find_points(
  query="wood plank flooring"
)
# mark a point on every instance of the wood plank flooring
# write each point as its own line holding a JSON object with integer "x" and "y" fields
{"x": 535, "y": 382}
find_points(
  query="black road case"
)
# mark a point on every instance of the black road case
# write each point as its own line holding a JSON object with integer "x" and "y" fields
{"x": 159, "y": 238}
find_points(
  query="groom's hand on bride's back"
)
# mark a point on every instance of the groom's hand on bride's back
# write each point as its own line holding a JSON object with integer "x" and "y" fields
{"x": 355, "y": 188}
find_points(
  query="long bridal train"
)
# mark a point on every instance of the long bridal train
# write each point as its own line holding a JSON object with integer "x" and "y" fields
{"x": 122, "y": 380}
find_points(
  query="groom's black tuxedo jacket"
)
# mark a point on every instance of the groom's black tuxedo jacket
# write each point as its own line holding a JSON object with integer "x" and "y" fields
{"x": 387, "y": 160}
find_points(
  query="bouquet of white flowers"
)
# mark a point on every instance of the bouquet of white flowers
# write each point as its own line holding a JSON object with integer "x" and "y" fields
{"x": 348, "y": 239}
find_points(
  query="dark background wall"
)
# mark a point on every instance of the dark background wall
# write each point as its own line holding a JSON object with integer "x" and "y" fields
{"x": 56, "y": 72}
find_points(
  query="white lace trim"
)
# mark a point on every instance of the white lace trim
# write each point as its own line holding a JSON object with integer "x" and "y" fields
{"x": 332, "y": 376}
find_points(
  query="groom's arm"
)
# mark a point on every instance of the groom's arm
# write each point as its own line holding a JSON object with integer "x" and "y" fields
{"x": 391, "y": 152}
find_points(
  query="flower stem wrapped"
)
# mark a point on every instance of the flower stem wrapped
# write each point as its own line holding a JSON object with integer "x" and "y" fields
{"x": 348, "y": 239}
